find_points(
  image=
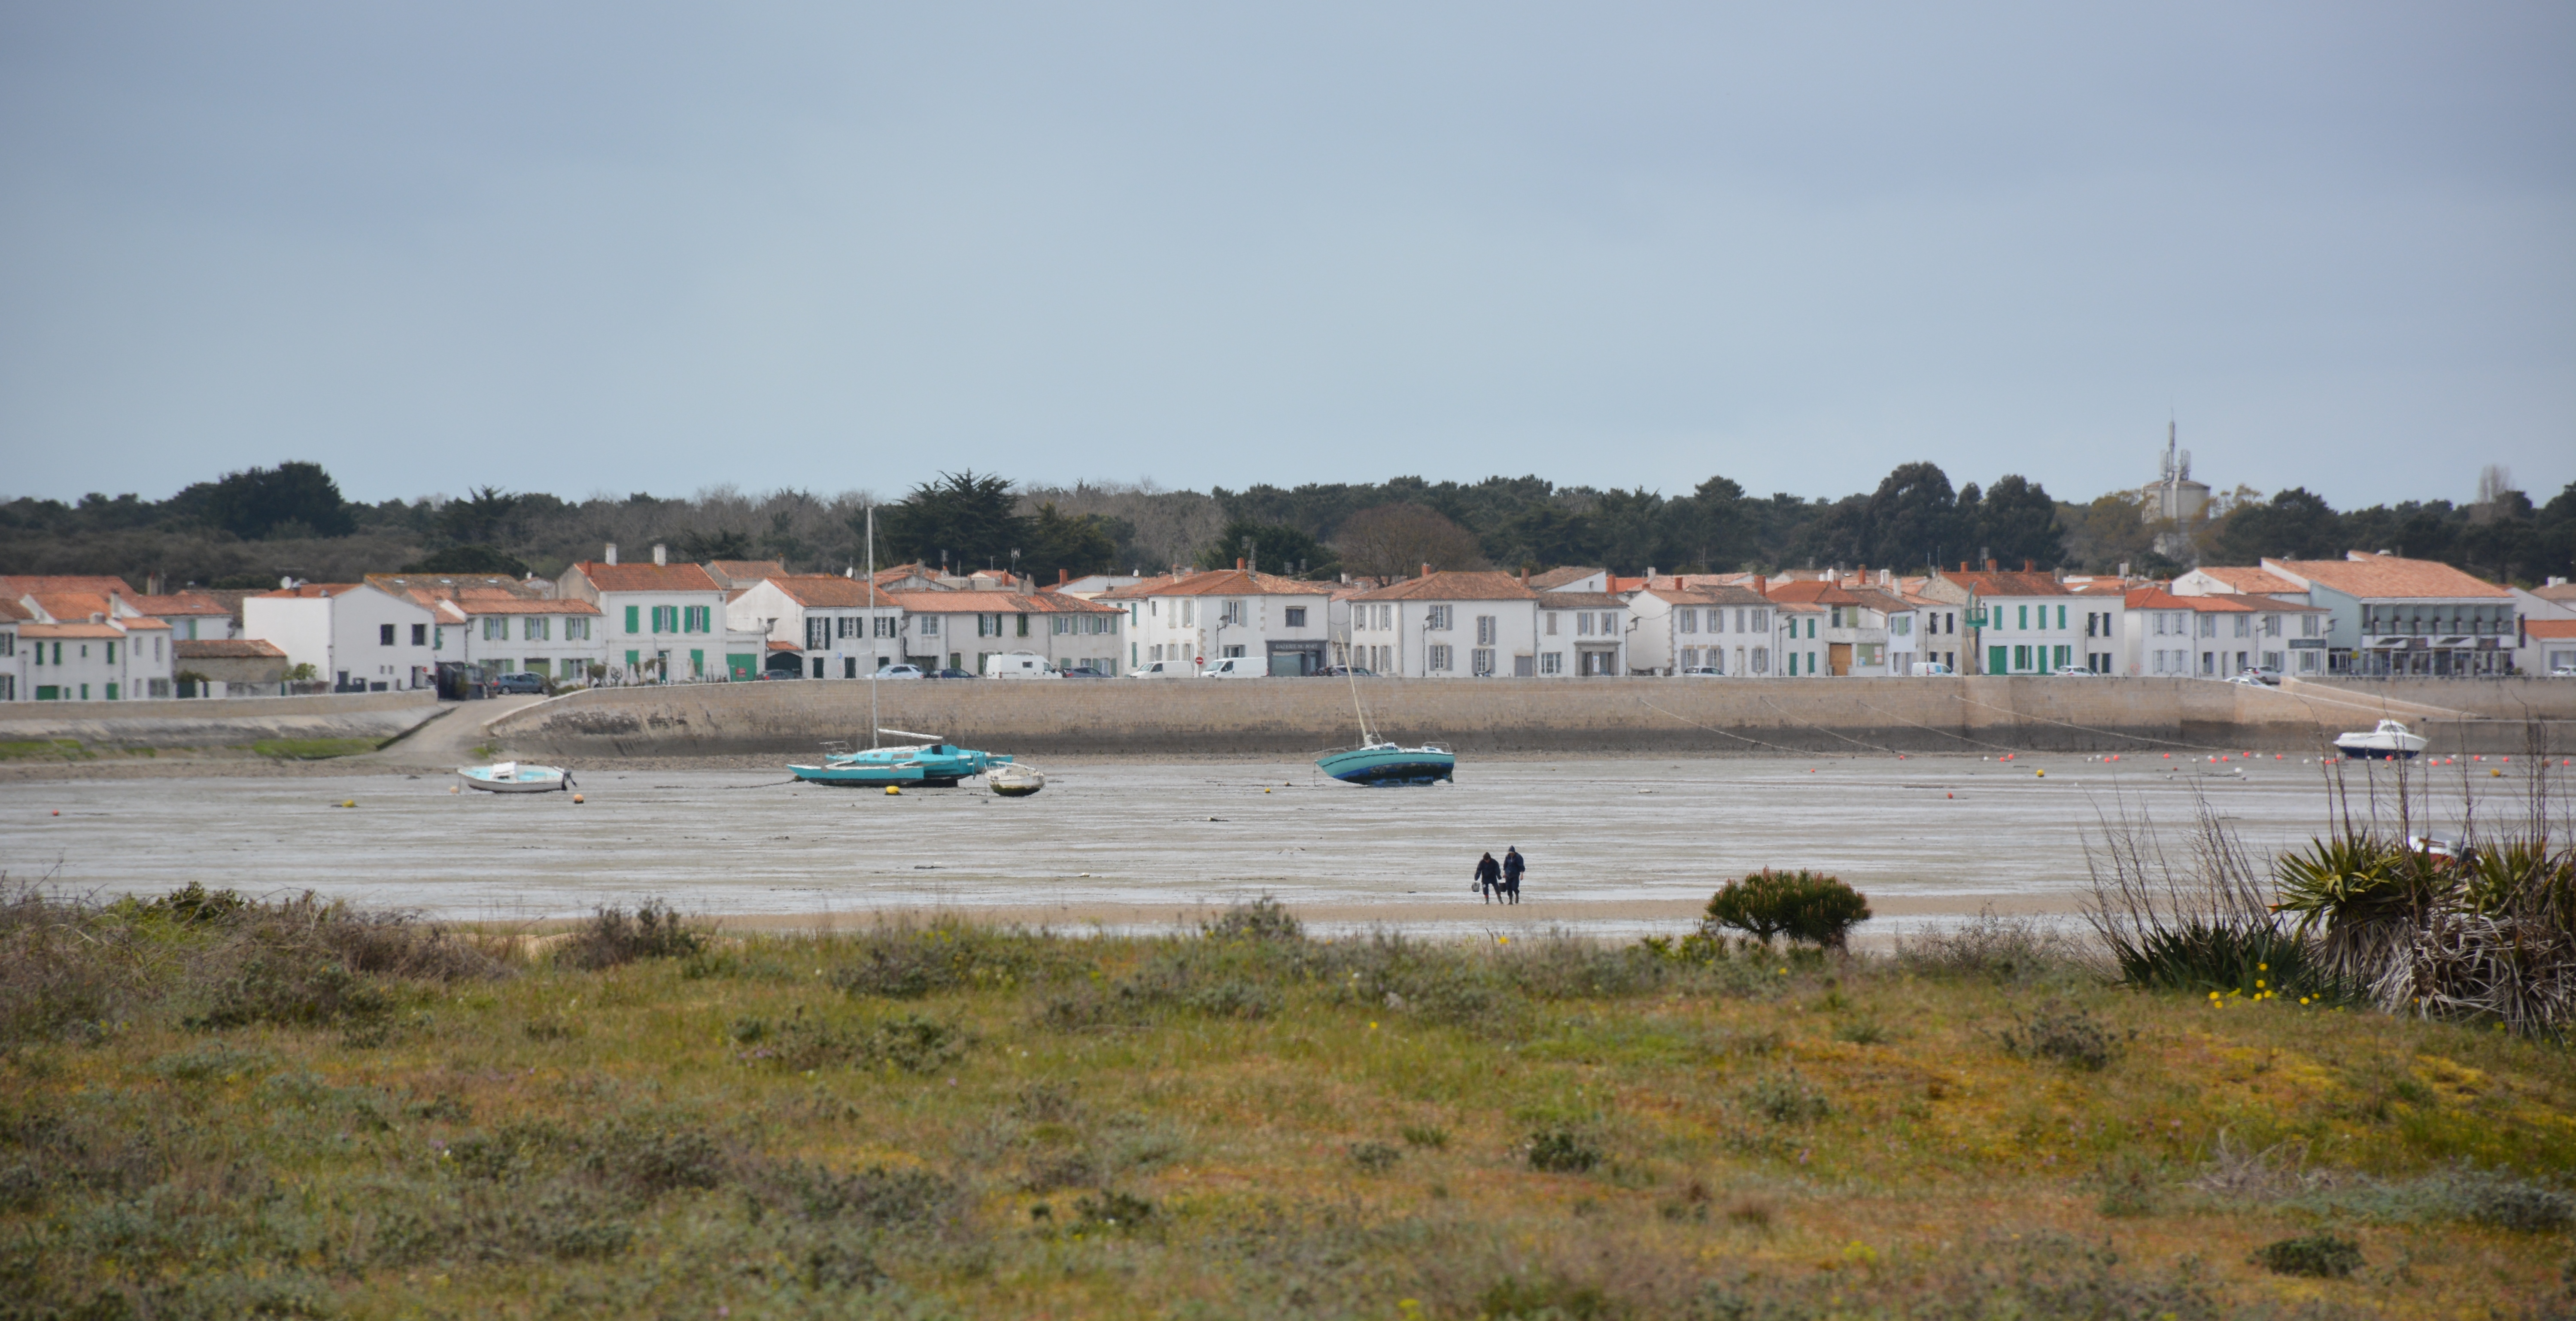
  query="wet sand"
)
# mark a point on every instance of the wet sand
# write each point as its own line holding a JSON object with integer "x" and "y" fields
{"x": 1616, "y": 847}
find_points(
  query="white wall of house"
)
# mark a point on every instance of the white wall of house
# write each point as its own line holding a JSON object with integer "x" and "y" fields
{"x": 1467, "y": 639}
{"x": 1195, "y": 628}
{"x": 345, "y": 637}
{"x": 558, "y": 646}
{"x": 13, "y": 665}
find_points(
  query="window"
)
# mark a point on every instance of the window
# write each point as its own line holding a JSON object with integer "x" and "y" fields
{"x": 2021, "y": 658}
{"x": 576, "y": 627}
{"x": 1811, "y": 633}
{"x": 930, "y": 626}
{"x": 2025, "y": 618}
{"x": 885, "y": 626}
{"x": 1189, "y": 610}
{"x": 630, "y": 620}
{"x": 1761, "y": 660}
{"x": 818, "y": 633}
{"x": 1686, "y": 621}
{"x": 2061, "y": 616}
{"x": 495, "y": 628}
{"x": 1024, "y": 626}
{"x": 2245, "y": 626}
{"x": 1480, "y": 662}
{"x": 2271, "y": 626}
{"x": 1055, "y": 623}
{"x": 385, "y": 635}
{"x": 2307, "y": 626}
{"x": 1485, "y": 638}
{"x": 1296, "y": 616}
{"x": 1386, "y": 616}
{"x": 1437, "y": 620}
{"x": 1900, "y": 625}
{"x": 1583, "y": 624}
{"x": 535, "y": 628}
{"x": 1551, "y": 627}
{"x": 1551, "y": 662}
{"x": 2209, "y": 626}
{"x": 1234, "y": 614}
{"x": 1438, "y": 659}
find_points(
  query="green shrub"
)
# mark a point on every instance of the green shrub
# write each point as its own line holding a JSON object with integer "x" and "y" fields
{"x": 2070, "y": 1036}
{"x": 613, "y": 936}
{"x": 2321, "y": 1256}
{"x": 1786, "y": 1098}
{"x": 1801, "y": 905}
{"x": 1264, "y": 918}
{"x": 1562, "y": 1151}
{"x": 1375, "y": 1157}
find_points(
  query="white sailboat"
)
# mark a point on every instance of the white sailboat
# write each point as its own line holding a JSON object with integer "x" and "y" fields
{"x": 2391, "y": 741}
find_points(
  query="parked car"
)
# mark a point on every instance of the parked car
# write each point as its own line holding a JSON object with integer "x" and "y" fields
{"x": 1699, "y": 672}
{"x": 900, "y": 672}
{"x": 1084, "y": 672}
{"x": 797, "y": 673}
{"x": 2247, "y": 677}
{"x": 2261, "y": 675}
{"x": 1164, "y": 670}
{"x": 1238, "y": 667}
{"x": 1926, "y": 669}
{"x": 948, "y": 673}
{"x": 2072, "y": 672}
{"x": 1345, "y": 672}
{"x": 522, "y": 682}
{"x": 2563, "y": 672}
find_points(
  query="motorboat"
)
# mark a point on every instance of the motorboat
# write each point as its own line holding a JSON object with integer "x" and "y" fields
{"x": 1387, "y": 763}
{"x": 938, "y": 764}
{"x": 512, "y": 777}
{"x": 2391, "y": 741}
{"x": 1015, "y": 779}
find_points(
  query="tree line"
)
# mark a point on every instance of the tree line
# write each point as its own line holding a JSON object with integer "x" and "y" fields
{"x": 251, "y": 527}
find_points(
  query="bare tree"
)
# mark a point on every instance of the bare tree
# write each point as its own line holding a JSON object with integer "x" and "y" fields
{"x": 1396, "y": 541}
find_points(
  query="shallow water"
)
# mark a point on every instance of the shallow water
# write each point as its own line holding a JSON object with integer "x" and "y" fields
{"x": 1615, "y": 846}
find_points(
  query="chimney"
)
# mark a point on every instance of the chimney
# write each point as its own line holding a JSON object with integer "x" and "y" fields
{"x": 2124, "y": 573}
{"x": 1063, "y": 575}
{"x": 1238, "y": 564}
{"x": 1524, "y": 575}
{"x": 612, "y": 552}
{"x": 1963, "y": 566}
{"x": 1426, "y": 569}
{"x": 1990, "y": 564}
{"x": 1760, "y": 587}
{"x": 2029, "y": 567}
{"x": 661, "y": 555}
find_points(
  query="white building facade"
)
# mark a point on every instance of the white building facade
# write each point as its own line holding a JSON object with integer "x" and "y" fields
{"x": 357, "y": 637}
{"x": 1201, "y": 618}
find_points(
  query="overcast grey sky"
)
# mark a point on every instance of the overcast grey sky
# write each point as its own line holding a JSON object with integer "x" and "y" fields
{"x": 614, "y": 247}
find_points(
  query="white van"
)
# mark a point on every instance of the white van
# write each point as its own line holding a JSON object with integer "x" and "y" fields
{"x": 1018, "y": 665}
{"x": 1164, "y": 670}
{"x": 1238, "y": 667}
{"x": 1923, "y": 668}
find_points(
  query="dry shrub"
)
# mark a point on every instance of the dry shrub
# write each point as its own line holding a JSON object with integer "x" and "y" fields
{"x": 614, "y": 936}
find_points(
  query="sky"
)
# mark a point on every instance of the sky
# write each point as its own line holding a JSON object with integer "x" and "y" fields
{"x": 600, "y": 248}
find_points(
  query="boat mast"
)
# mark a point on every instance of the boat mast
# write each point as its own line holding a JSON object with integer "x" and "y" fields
{"x": 1350, "y": 670}
{"x": 877, "y": 679}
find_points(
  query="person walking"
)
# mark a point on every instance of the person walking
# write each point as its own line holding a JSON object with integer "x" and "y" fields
{"x": 1489, "y": 877}
{"x": 1513, "y": 865}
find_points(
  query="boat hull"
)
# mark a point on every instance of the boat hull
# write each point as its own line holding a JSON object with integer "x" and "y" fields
{"x": 869, "y": 776}
{"x": 2374, "y": 752}
{"x": 1386, "y": 765}
{"x": 526, "y": 780}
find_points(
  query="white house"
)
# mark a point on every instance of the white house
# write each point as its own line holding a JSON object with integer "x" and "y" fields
{"x": 1467, "y": 624}
{"x": 2018, "y": 623}
{"x": 1853, "y": 631}
{"x": 135, "y": 663}
{"x": 958, "y": 629}
{"x": 2388, "y": 615}
{"x": 1797, "y": 639}
{"x": 1724, "y": 628}
{"x": 359, "y": 637}
{"x": 2214, "y": 637}
{"x": 661, "y": 622}
{"x": 2548, "y": 646}
{"x": 1572, "y": 578}
{"x": 835, "y": 627}
{"x": 13, "y": 662}
{"x": 1203, "y": 617}
{"x": 192, "y": 616}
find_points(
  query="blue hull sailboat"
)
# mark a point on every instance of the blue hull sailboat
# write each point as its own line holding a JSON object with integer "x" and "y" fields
{"x": 937, "y": 764}
{"x": 1386, "y": 763}
{"x": 1378, "y": 762}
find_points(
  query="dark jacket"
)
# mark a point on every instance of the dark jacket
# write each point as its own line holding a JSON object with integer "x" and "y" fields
{"x": 1513, "y": 865}
{"x": 1488, "y": 870}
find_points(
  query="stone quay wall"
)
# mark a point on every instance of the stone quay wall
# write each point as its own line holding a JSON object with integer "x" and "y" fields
{"x": 1299, "y": 717}
{"x": 215, "y": 722}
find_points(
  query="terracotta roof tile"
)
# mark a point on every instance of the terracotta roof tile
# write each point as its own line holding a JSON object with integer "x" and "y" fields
{"x": 2389, "y": 577}
{"x": 2250, "y": 581}
{"x": 11, "y": 611}
{"x": 227, "y": 649}
{"x": 2009, "y": 584}
{"x": 514, "y": 605}
{"x": 827, "y": 590}
{"x": 80, "y": 630}
{"x": 647, "y": 577}
{"x": 1454, "y": 585}
{"x": 1228, "y": 582}
{"x": 1712, "y": 594}
{"x": 2550, "y": 628}
{"x": 25, "y": 584}
{"x": 313, "y": 591}
{"x": 1558, "y": 577}
{"x": 1004, "y": 603}
{"x": 1581, "y": 601}
{"x": 180, "y": 604}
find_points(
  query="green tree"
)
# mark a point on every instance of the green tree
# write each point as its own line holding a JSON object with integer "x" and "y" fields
{"x": 1072, "y": 546}
{"x": 293, "y": 498}
{"x": 967, "y": 520}
{"x": 477, "y": 518}
{"x": 1802, "y": 905}
{"x": 2017, "y": 521}
{"x": 699, "y": 547}
{"x": 2295, "y": 524}
{"x": 1274, "y": 548}
{"x": 1912, "y": 519}
{"x": 469, "y": 559}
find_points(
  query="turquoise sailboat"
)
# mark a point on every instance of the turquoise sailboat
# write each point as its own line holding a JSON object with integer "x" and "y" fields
{"x": 1378, "y": 762}
{"x": 935, "y": 762}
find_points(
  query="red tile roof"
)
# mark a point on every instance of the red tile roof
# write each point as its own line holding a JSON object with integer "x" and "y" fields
{"x": 1004, "y": 603}
{"x": 2550, "y": 628}
{"x": 1558, "y": 577}
{"x": 647, "y": 577}
{"x": 1581, "y": 601}
{"x": 828, "y": 590}
{"x": 11, "y": 611}
{"x": 1225, "y": 582}
{"x": 1710, "y": 594}
{"x": 2008, "y": 584}
{"x": 313, "y": 591}
{"x": 17, "y": 585}
{"x": 1812, "y": 593}
{"x": 1454, "y": 585}
{"x": 477, "y": 604}
{"x": 80, "y": 630}
{"x": 2388, "y": 577}
{"x": 227, "y": 649}
{"x": 2250, "y": 581}
{"x": 743, "y": 573}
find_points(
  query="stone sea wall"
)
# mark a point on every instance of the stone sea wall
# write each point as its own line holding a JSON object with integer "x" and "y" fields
{"x": 1696, "y": 716}
{"x": 216, "y": 722}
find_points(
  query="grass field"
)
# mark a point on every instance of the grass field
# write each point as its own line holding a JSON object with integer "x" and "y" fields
{"x": 210, "y": 1109}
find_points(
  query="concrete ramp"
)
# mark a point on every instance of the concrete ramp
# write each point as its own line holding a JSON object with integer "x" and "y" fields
{"x": 216, "y": 726}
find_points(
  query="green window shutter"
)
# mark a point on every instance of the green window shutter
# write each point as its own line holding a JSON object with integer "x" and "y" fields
{"x": 630, "y": 619}
{"x": 1024, "y": 626}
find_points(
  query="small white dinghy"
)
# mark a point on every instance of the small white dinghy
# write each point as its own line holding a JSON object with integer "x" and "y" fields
{"x": 510, "y": 777}
{"x": 1015, "y": 779}
{"x": 2391, "y": 741}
